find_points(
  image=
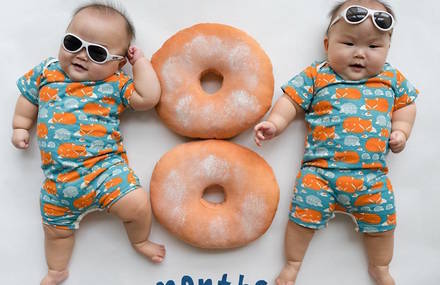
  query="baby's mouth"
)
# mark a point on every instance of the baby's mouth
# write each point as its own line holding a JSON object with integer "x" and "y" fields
{"x": 79, "y": 66}
{"x": 357, "y": 66}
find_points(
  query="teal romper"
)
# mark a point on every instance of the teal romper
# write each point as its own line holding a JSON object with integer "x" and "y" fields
{"x": 83, "y": 158}
{"x": 348, "y": 128}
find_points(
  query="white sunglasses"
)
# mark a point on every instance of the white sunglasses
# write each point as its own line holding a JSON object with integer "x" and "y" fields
{"x": 356, "y": 14}
{"x": 97, "y": 53}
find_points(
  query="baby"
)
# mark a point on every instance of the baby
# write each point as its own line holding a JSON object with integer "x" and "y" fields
{"x": 356, "y": 107}
{"x": 78, "y": 99}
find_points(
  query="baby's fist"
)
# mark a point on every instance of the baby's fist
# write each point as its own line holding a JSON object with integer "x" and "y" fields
{"x": 20, "y": 138}
{"x": 133, "y": 54}
{"x": 264, "y": 131}
{"x": 397, "y": 141}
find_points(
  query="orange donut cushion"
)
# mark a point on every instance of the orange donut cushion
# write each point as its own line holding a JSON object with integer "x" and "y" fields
{"x": 244, "y": 97}
{"x": 180, "y": 178}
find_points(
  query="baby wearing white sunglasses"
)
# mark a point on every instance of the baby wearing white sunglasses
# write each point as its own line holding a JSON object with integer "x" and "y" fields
{"x": 83, "y": 93}
{"x": 357, "y": 108}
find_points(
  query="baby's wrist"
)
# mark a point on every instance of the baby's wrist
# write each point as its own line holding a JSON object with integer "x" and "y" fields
{"x": 274, "y": 126}
{"x": 401, "y": 131}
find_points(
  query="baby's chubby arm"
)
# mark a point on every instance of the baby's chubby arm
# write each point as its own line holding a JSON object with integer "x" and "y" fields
{"x": 24, "y": 117}
{"x": 402, "y": 122}
{"x": 284, "y": 111}
{"x": 146, "y": 84}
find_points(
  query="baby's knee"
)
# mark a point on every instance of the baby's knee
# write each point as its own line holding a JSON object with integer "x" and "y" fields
{"x": 52, "y": 232}
{"x": 133, "y": 206}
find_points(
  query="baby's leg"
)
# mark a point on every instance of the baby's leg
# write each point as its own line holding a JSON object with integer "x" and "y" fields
{"x": 58, "y": 247}
{"x": 296, "y": 242}
{"x": 135, "y": 212}
{"x": 379, "y": 248}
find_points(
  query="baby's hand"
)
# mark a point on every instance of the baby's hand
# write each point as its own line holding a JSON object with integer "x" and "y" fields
{"x": 133, "y": 54}
{"x": 20, "y": 138}
{"x": 397, "y": 141}
{"x": 264, "y": 131}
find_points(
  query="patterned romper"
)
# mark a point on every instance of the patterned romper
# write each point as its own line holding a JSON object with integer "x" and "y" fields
{"x": 83, "y": 158}
{"x": 348, "y": 128}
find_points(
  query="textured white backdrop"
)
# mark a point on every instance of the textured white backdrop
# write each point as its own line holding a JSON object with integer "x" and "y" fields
{"x": 291, "y": 33}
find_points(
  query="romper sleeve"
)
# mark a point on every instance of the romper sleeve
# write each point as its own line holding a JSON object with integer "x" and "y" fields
{"x": 126, "y": 90}
{"x": 300, "y": 88}
{"x": 405, "y": 92}
{"x": 29, "y": 83}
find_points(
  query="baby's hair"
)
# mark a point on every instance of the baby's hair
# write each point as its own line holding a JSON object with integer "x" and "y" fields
{"x": 334, "y": 12}
{"x": 110, "y": 8}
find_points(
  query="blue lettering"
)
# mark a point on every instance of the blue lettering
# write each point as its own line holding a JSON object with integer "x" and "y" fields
{"x": 261, "y": 282}
{"x": 240, "y": 280}
{"x": 170, "y": 282}
{"x": 206, "y": 282}
{"x": 224, "y": 280}
{"x": 186, "y": 280}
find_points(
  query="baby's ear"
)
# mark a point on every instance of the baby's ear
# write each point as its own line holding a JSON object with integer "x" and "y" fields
{"x": 122, "y": 62}
{"x": 326, "y": 44}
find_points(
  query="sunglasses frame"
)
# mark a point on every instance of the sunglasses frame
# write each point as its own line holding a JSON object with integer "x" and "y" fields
{"x": 86, "y": 44}
{"x": 370, "y": 12}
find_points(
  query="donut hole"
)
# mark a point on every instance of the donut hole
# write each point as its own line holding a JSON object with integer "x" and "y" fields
{"x": 211, "y": 81}
{"x": 214, "y": 194}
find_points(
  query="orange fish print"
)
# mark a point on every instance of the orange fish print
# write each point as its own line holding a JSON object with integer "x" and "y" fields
{"x": 109, "y": 197}
{"x": 375, "y": 145}
{"x": 323, "y": 79}
{"x": 377, "y": 104}
{"x": 91, "y": 176}
{"x": 53, "y": 75}
{"x": 308, "y": 215}
{"x": 69, "y": 150}
{"x": 311, "y": 72}
{"x": 68, "y": 177}
{"x": 368, "y": 199}
{"x": 291, "y": 92}
{"x": 79, "y": 90}
{"x": 322, "y": 163}
{"x": 84, "y": 201}
{"x": 348, "y": 93}
{"x": 322, "y": 108}
{"x": 108, "y": 100}
{"x": 131, "y": 178}
{"x": 96, "y": 109}
{"x": 373, "y": 165}
{"x": 92, "y": 130}
{"x": 377, "y": 83}
{"x": 402, "y": 101}
{"x": 385, "y": 133}
{"x": 48, "y": 94}
{"x": 314, "y": 182}
{"x": 89, "y": 163}
{"x": 50, "y": 187}
{"x": 55, "y": 211}
{"x": 373, "y": 219}
{"x": 42, "y": 130}
{"x": 64, "y": 118}
{"x": 391, "y": 219}
{"x": 357, "y": 125}
{"x": 46, "y": 157}
{"x": 349, "y": 184}
{"x": 389, "y": 186}
{"x": 351, "y": 157}
{"x": 321, "y": 133}
{"x": 113, "y": 182}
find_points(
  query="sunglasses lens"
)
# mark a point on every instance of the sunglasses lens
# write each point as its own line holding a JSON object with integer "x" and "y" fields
{"x": 356, "y": 14}
{"x": 71, "y": 43}
{"x": 97, "y": 53}
{"x": 383, "y": 20}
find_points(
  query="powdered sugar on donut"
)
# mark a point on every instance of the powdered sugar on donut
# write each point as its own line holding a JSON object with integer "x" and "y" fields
{"x": 213, "y": 168}
{"x": 175, "y": 192}
{"x": 240, "y": 105}
{"x": 184, "y": 110}
{"x": 253, "y": 211}
{"x": 217, "y": 230}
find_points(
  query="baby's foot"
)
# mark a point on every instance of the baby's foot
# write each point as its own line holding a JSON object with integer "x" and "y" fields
{"x": 381, "y": 275}
{"x": 288, "y": 274}
{"x": 154, "y": 251}
{"x": 54, "y": 277}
